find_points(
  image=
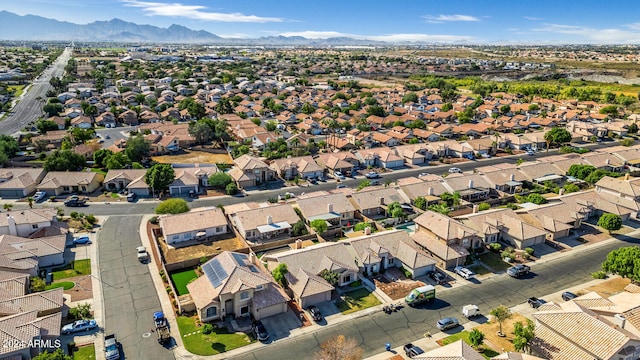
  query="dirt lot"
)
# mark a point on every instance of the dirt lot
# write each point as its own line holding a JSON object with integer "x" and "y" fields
{"x": 608, "y": 287}
{"x": 593, "y": 234}
{"x": 490, "y": 330}
{"x": 194, "y": 157}
{"x": 396, "y": 289}
{"x": 83, "y": 289}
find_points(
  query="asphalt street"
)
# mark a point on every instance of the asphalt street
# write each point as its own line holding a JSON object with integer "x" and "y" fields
{"x": 371, "y": 332}
{"x": 130, "y": 298}
{"x": 29, "y": 109}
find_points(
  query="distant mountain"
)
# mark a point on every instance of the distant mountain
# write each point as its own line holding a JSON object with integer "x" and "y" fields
{"x": 37, "y": 28}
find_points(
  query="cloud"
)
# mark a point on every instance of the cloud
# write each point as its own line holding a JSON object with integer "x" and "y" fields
{"x": 196, "y": 12}
{"x": 442, "y": 18}
{"x": 395, "y": 38}
{"x": 532, "y": 18}
{"x": 588, "y": 34}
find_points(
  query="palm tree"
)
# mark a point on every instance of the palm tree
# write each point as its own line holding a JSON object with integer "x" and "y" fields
{"x": 8, "y": 206}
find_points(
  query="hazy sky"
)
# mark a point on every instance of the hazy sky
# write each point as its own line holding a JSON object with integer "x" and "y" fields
{"x": 542, "y": 21}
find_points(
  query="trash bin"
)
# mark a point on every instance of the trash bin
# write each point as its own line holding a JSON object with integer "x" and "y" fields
{"x": 387, "y": 347}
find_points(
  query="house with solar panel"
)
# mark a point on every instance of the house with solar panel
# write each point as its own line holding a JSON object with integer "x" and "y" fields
{"x": 233, "y": 285}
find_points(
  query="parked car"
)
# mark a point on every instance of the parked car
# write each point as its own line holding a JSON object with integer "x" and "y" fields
{"x": 518, "y": 270}
{"x": 39, "y": 195}
{"x": 372, "y": 175}
{"x": 111, "y": 350}
{"x": 412, "y": 351}
{"x": 79, "y": 325}
{"x": 315, "y": 313}
{"x": 567, "y": 295}
{"x": 339, "y": 175}
{"x": 341, "y": 186}
{"x": 259, "y": 331}
{"x": 107, "y": 137}
{"x": 423, "y": 174}
{"x": 82, "y": 240}
{"x": 438, "y": 277}
{"x": 375, "y": 182}
{"x": 143, "y": 255}
{"x": 455, "y": 170}
{"x": 447, "y": 323}
{"x": 463, "y": 272}
{"x": 535, "y": 303}
{"x": 131, "y": 197}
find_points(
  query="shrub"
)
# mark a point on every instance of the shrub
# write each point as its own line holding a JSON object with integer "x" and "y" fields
{"x": 172, "y": 206}
{"x": 91, "y": 219}
{"x": 203, "y": 260}
{"x": 231, "y": 189}
{"x": 529, "y": 251}
{"x": 74, "y": 215}
{"x": 626, "y": 142}
{"x": 207, "y": 329}
{"x": 526, "y": 256}
{"x": 599, "y": 275}
{"x": 484, "y": 206}
{"x": 513, "y": 206}
{"x": 536, "y": 199}
{"x": 495, "y": 247}
{"x": 154, "y": 220}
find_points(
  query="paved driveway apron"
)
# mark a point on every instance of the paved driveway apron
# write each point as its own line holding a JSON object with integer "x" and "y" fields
{"x": 129, "y": 295}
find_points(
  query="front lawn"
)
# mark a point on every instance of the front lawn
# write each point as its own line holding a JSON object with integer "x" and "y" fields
{"x": 488, "y": 352}
{"x": 66, "y": 285}
{"x": 494, "y": 261}
{"x": 357, "y": 300}
{"x": 75, "y": 268}
{"x": 181, "y": 279}
{"x": 219, "y": 341}
{"x": 85, "y": 353}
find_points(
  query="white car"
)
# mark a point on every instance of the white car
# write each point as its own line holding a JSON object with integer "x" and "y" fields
{"x": 455, "y": 170}
{"x": 463, "y": 272}
{"x": 143, "y": 255}
{"x": 39, "y": 195}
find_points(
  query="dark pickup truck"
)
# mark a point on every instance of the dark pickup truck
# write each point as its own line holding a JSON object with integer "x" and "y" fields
{"x": 75, "y": 201}
{"x": 411, "y": 350}
{"x": 535, "y": 303}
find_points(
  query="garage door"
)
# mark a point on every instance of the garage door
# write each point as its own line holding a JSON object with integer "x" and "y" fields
{"x": 271, "y": 310}
{"x": 11, "y": 193}
{"x": 316, "y": 299}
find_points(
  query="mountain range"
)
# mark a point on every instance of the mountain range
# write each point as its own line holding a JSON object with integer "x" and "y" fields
{"x": 16, "y": 27}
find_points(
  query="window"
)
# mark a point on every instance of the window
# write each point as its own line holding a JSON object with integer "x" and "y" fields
{"x": 259, "y": 287}
{"x": 212, "y": 311}
{"x": 465, "y": 242}
{"x": 187, "y": 236}
{"x": 176, "y": 237}
{"x": 347, "y": 278}
{"x": 34, "y": 226}
{"x": 244, "y": 295}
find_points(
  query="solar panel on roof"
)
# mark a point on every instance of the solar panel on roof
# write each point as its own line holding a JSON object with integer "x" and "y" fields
{"x": 240, "y": 258}
{"x": 214, "y": 272}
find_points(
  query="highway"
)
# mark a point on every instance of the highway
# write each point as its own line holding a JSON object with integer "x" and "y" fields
{"x": 29, "y": 109}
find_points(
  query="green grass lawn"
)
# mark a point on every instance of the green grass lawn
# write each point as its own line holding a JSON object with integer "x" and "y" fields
{"x": 18, "y": 90}
{"x": 85, "y": 353}
{"x": 219, "y": 341}
{"x": 480, "y": 270}
{"x": 66, "y": 285}
{"x": 99, "y": 171}
{"x": 494, "y": 261}
{"x": 488, "y": 353}
{"x": 75, "y": 268}
{"x": 181, "y": 279}
{"x": 357, "y": 300}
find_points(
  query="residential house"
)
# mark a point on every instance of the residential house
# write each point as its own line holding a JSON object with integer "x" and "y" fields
{"x": 446, "y": 239}
{"x": 335, "y": 209}
{"x": 131, "y": 180}
{"x": 517, "y": 142}
{"x": 604, "y": 161}
{"x": 540, "y": 172}
{"x": 302, "y": 166}
{"x": 558, "y": 219}
{"x": 265, "y": 223}
{"x": 458, "y": 350}
{"x": 129, "y": 117}
{"x": 507, "y": 225}
{"x": 51, "y": 140}
{"x": 373, "y": 203}
{"x": 380, "y": 157}
{"x": 197, "y": 224}
{"x": 630, "y": 156}
{"x": 482, "y": 146}
{"x": 471, "y": 187}
{"x": 234, "y": 286}
{"x": 344, "y": 162}
{"x": 45, "y": 252}
{"x": 609, "y": 328}
{"x": 415, "y": 154}
{"x": 25, "y": 222}
{"x": 82, "y": 122}
{"x": 504, "y": 177}
{"x": 456, "y": 149}
{"x": 66, "y": 182}
{"x": 250, "y": 172}
{"x": 188, "y": 180}
{"x": 19, "y": 182}
{"x": 622, "y": 191}
{"x": 428, "y": 187}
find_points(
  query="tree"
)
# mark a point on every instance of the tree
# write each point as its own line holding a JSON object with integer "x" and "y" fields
{"x": 172, "y": 206}
{"x": 451, "y": 198}
{"x": 476, "y": 338}
{"x": 117, "y": 161}
{"x": 100, "y": 156}
{"x": 56, "y": 355}
{"x": 82, "y": 135}
{"x": 536, "y": 199}
{"x": 279, "y": 274}
{"x": 37, "y": 284}
{"x": 331, "y": 277}
{"x": 224, "y": 106}
{"x": 624, "y": 261}
{"x": 395, "y": 210}
{"x": 220, "y": 180}
{"x": 610, "y": 222}
{"x": 376, "y": 110}
{"x": 195, "y": 109}
{"x": 159, "y": 176}
{"x": 632, "y": 128}
{"x": 308, "y": 109}
{"x": 231, "y": 188}
{"x": 52, "y": 109}
{"x": 410, "y": 97}
{"x": 9, "y": 145}
{"x": 64, "y": 160}
{"x": 46, "y": 125}
{"x": 557, "y": 136}
{"x": 420, "y": 202}
{"x": 524, "y": 335}
{"x": 299, "y": 229}
{"x": 501, "y": 314}
{"x": 319, "y": 226}
{"x": 201, "y": 131}
{"x": 339, "y": 348}
{"x": 137, "y": 148}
